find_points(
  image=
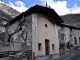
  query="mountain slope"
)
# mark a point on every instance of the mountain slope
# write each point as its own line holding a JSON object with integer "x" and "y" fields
{"x": 72, "y": 19}
{"x": 9, "y": 10}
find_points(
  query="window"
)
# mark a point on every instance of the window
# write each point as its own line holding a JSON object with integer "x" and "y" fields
{"x": 61, "y": 27}
{"x": 46, "y": 25}
{"x": 71, "y": 46}
{"x": 62, "y": 37}
{"x": 52, "y": 46}
{"x": 79, "y": 40}
{"x": 68, "y": 45}
{"x": 70, "y": 37}
{"x": 39, "y": 46}
{"x": 70, "y": 29}
{"x": 75, "y": 41}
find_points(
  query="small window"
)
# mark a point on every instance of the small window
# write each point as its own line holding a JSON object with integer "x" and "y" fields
{"x": 39, "y": 46}
{"x": 70, "y": 37}
{"x": 79, "y": 40}
{"x": 75, "y": 40}
{"x": 71, "y": 29}
{"x": 52, "y": 46}
{"x": 61, "y": 27}
{"x": 46, "y": 25}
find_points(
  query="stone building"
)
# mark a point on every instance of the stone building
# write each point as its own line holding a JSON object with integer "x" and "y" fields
{"x": 39, "y": 33}
{"x": 69, "y": 32}
{"x": 35, "y": 27}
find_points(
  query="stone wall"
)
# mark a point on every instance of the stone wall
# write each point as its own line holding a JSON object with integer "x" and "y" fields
{"x": 20, "y": 31}
{"x": 18, "y": 36}
{"x": 67, "y": 40}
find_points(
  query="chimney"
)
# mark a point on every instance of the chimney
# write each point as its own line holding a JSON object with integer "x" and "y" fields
{"x": 46, "y": 4}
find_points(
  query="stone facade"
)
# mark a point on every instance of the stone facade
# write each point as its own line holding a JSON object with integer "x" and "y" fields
{"x": 18, "y": 37}
{"x": 20, "y": 31}
{"x": 69, "y": 38}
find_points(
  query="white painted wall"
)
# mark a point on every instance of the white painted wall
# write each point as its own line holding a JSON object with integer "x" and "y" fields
{"x": 49, "y": 33}
{"x": 34, "y": 34}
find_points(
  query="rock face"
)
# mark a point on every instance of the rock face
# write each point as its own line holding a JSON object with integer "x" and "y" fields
{"x": 7, "y": 13}
{"x": 4, "y": 18}
{"x": 10, "y": 11}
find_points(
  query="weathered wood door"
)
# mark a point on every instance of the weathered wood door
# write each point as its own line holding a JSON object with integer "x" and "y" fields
{"x": 46, "y": 47}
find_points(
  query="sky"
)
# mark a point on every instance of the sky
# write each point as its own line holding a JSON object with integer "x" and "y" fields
{"x": 62, "y": 7}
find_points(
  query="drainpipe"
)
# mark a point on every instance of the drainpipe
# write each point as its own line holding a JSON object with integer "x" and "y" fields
{"x": 33, "y": 56}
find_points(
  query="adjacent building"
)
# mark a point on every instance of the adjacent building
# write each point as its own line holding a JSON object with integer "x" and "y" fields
{"x": 69, "y": 32}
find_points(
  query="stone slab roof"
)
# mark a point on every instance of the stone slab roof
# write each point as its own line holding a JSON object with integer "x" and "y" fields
{"x": 46, "y": 11}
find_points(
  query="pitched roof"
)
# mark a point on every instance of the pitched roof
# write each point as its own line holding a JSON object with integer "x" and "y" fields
{"x": 50, "y": 13}
{"x": 71, "y": 20}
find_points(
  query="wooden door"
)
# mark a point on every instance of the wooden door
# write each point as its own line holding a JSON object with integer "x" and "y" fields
{"x": 46, "y": 47}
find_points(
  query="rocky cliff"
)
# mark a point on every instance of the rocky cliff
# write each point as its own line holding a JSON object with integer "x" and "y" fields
{"x": 8, "y": 10}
